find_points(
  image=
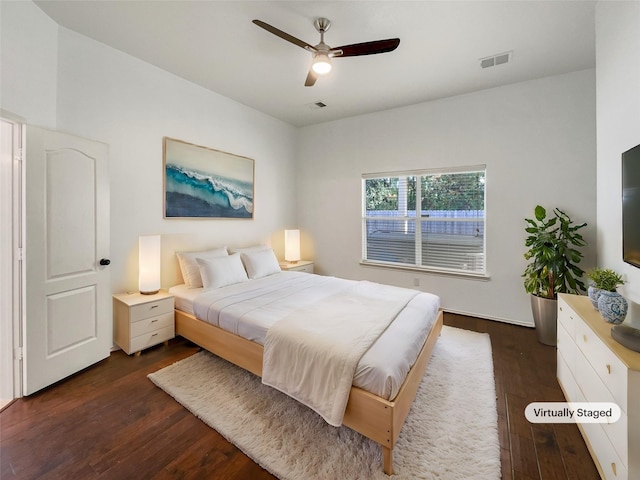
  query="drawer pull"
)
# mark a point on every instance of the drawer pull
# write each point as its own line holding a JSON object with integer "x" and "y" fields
{"x": 155, "y": 320}
{"x": 613, "y": 467}
{"x": 584, "y": 337}
{"x": 154, "y": 335}
{"x": 154, "y": 306}
{"x": 561, "y": 309}
{"x": 609, "y": 369}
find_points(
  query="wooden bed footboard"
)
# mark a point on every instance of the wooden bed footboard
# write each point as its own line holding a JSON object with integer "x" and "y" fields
{"x": 368, "y": 414}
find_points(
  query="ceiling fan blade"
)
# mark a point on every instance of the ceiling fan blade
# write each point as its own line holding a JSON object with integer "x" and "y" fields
{"x": 368, "y": 48}
{"x": 284, "y": 35}
{"x": 311, "y": 78}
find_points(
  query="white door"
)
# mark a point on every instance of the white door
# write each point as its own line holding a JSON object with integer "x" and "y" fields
{"x": 67, "y": 316}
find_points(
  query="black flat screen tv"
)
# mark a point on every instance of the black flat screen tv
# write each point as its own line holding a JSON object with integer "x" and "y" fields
{"x": 631, "y": 206}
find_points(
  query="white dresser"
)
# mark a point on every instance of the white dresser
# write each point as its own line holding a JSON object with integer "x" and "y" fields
{"x": 143, "y": 320}
{"x": 593, "y": 367}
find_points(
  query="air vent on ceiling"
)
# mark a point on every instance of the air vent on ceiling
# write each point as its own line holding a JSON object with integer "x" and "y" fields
{"x": 316, "y": 105}
{"x": 499, "y": 59}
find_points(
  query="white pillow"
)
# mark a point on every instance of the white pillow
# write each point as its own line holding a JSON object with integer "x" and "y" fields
{"x": 254, "y": 248}
{"x": 221, "y": 271}
{"x": 189, "y": 267}
{"x": 260, "y": 263}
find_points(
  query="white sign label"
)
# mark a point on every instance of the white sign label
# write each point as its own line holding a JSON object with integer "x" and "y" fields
{"x": 572, "y": 412}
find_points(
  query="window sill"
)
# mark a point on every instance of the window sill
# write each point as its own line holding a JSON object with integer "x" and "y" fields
{"x": 436, "y": 271}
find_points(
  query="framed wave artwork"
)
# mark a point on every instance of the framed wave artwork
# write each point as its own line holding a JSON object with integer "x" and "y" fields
{"x": 206, "y": 183}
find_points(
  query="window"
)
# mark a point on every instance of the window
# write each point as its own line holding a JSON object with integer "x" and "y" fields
{"x": 447, "y": 234}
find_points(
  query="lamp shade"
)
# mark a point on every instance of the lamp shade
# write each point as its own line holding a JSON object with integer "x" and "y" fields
{"x": 292, "y": 245}
{"x": 149, "y": 264}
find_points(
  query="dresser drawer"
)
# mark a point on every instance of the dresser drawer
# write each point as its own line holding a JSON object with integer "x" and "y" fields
{"x": 566, "y": 379}
{"x": 151, "y": 309}
{"x": 611, "y": 466}
{"x": 152, "y": 338}
{"x": 604, "y": 362}
{"x": 567, "y": 317}
{"x": 604, "y": 372}
{"x": 148, "y": 325}
{"x": 567, "y": 348}
{"x": 594, "y": 390}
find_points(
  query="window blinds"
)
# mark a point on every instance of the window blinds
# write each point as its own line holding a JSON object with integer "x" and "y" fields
{"x": 426, "y": 219}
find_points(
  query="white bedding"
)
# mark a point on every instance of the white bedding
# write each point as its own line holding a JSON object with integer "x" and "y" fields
{"x": 250, "y": 308}
{"x": 312, "y": 354}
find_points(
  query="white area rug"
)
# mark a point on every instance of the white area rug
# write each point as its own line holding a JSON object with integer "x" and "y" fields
{"x": 451, "y": 431}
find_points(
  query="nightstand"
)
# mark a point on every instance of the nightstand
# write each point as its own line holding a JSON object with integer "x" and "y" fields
{"x": 300, "y": 266}
{"x": 143, "y": 320}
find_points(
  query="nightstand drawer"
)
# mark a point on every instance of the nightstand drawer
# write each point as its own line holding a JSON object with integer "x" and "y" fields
{"x": 148, "y": 325}
{"x": 142, "y": 320}
{"x": 152, "y": 338}
{"x": 151, "y": 309}
{"x": 303, "y": 268}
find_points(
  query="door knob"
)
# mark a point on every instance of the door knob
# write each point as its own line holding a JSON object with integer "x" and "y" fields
{"x": 105, "y": 261}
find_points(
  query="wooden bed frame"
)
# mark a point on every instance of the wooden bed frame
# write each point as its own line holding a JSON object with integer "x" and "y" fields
{"x": 372, "y": 416}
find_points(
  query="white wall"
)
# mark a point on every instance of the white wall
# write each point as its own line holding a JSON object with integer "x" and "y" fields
{"x": 58, "y": 79}
{"x": 28, "y": 55}
{"x": 618, "y": 122}
{"x": 537, "y": 139}
{"x": 112, "y": 97}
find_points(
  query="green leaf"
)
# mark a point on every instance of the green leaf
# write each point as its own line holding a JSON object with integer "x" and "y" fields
{"x": 553, "y": 254}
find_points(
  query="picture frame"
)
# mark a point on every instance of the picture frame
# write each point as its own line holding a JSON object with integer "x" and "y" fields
{"x": 202, "y": 182}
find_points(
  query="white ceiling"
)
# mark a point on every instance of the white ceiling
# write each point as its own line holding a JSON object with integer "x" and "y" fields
{"x": 215, "y": 45}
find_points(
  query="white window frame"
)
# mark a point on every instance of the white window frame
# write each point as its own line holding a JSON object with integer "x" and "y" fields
{"x": 419, "y": 220}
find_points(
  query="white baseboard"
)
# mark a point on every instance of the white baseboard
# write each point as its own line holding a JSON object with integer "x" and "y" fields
{"x": 489, "y": 317}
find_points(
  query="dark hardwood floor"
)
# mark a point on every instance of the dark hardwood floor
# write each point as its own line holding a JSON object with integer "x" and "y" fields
{"x": 525, "y": 372}
{"x": 111, "y": 422}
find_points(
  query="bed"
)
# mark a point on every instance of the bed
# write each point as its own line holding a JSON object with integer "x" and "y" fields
{"x": 235, "y": 319}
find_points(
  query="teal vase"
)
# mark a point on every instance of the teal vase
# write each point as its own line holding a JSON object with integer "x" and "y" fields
{"x": 613, "y": 307}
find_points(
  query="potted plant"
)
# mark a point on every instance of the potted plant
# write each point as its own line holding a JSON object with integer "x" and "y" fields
{"x": 602, "y": 279}
{"x": 603, "y": 294}
{"x": 553, "y": 257}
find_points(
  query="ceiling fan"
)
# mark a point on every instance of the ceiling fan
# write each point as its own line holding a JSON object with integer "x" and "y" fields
{"x": 322, "y": 53}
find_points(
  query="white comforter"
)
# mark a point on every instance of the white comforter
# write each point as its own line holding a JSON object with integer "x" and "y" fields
{"x": 312, "y": 354}
{"x": 251, "y": 308}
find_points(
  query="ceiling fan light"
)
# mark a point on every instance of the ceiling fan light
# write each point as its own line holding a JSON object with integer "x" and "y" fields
{"x": 321, "y": 64}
